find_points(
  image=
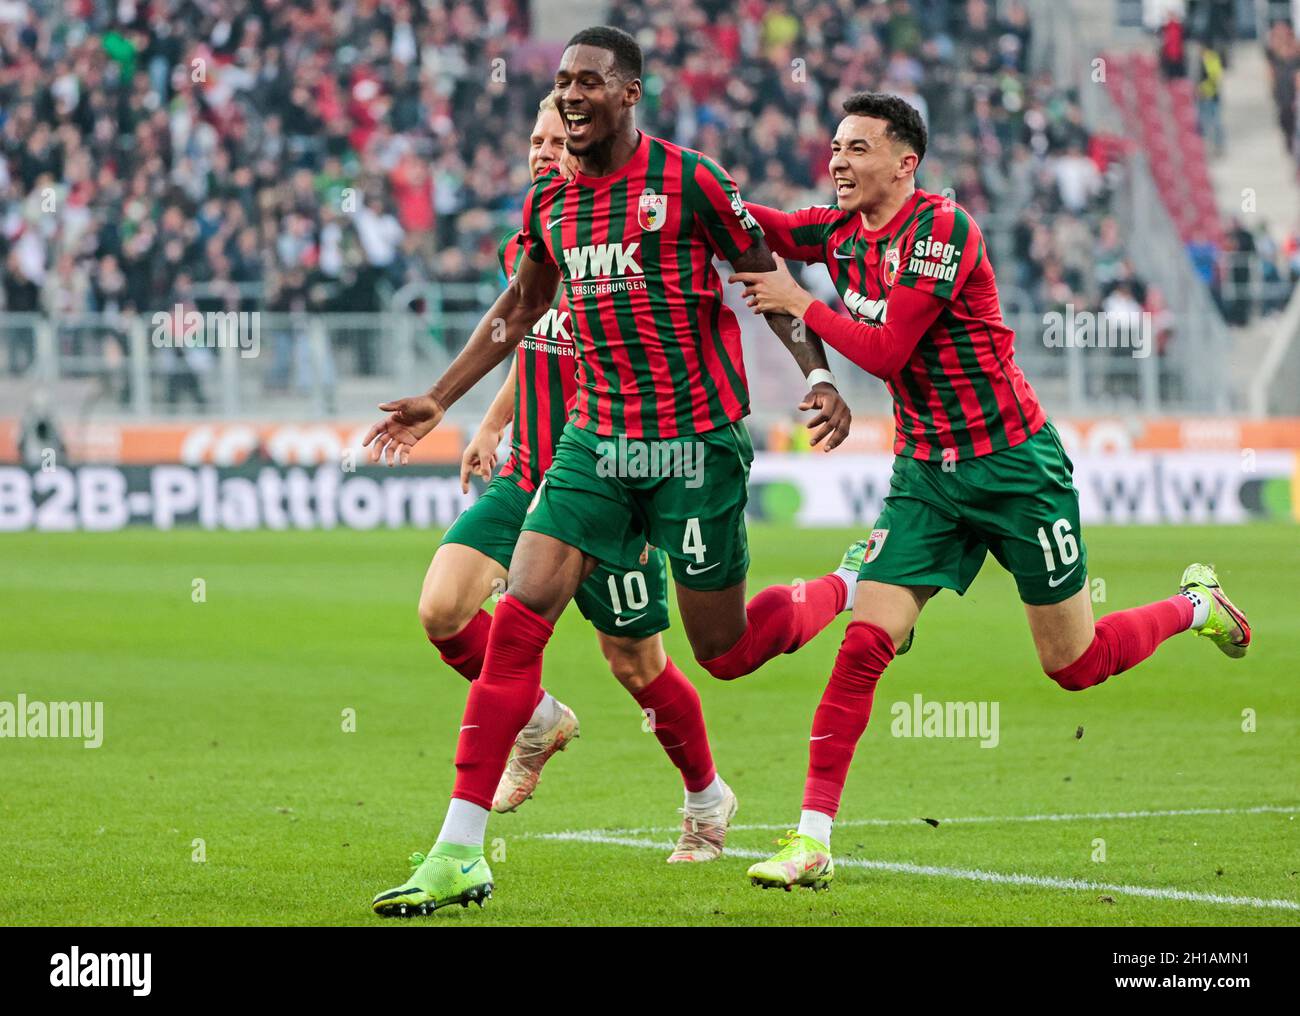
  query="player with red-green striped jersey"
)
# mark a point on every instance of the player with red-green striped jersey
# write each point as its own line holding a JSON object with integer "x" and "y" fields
{"x": 978, "y": 467}
{"x": 626, "y": 600}
{"x": 659, "y": 352}
{"x": 655, "y": 447}
{"x": 546, "y": 375}
{"x": 961, "y": 393}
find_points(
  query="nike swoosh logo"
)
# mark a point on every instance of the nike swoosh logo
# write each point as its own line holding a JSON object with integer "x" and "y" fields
{"x": 1053, "y": 583}
{"x": 472, "y": 726}
{"x": 845, "y": 257}
{"x": 821, "y": 738}
{"x": 621, "y": 622}
{"x": 466, "y": 870}
{"x": 692, "y": 570}
{"x": 554, "y": 222}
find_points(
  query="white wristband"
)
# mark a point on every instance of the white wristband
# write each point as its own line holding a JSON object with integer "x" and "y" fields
{"x": 820, "y": 375}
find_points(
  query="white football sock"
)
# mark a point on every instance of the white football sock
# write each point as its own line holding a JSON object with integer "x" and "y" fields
{"x": 1200, "y": 608}
{"x": 465, "y": 824}
{"x": 545, "y": 716}
{"x": 708, "y": 798}
{"x": 849, "y": 576}
{"x": 816, "y": 825}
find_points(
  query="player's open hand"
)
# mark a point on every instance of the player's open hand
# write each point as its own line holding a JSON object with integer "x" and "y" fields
{"x": 832, "y": 419}
{"x": 480, "y": 458}
{"x": 409, "y": 420}
{"x": 774, "y": 292}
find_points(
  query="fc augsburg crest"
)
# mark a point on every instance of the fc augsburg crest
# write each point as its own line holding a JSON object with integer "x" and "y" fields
{"x": 652, "y": 212}
{"x": 891, "y": 265}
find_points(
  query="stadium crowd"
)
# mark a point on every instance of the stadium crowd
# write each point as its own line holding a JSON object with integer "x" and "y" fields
{"x": 321, "y": 154}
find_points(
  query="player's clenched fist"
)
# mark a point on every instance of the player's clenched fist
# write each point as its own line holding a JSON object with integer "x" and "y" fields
{"x": 409, "y": 420}
{"x": 833, "y": 417}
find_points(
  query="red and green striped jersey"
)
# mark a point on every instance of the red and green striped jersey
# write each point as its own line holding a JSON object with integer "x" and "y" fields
{"x": 960, "y": 394}
{"x": 545, "y": 386}
{"x": 658, "y": 351}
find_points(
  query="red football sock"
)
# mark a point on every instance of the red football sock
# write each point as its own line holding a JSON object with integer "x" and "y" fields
{"x": 843, "y": 712}
{"x": 501, "y": 700}
{"x": 1124, "y": 639}
{"x": 780, "y": 620}
{"x": 464, "y": 651}
{"x": 678, "y": 723}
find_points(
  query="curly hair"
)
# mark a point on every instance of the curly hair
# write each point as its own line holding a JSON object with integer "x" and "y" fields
{"x": 905, "y": 123}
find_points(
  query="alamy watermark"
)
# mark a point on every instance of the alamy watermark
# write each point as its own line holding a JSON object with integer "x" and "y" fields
{"x": 191, "y": 329}
{"x": 637, "y": 459}
{"x": 919, "y": 718}
{"x": 77, "y": 720}
{"x": 1103, "y": 329}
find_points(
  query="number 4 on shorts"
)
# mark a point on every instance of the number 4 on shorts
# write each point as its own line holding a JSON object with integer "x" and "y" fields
{"x": 693, "y": 542}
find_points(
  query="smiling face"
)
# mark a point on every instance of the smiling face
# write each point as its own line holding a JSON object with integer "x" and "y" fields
{"x": 866, "y": 164}
{"x": 593, "y": 97}
{"x": 546, "y": 146}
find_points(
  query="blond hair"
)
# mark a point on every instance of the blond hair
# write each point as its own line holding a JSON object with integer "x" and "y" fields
{"x": 548, "y": 102}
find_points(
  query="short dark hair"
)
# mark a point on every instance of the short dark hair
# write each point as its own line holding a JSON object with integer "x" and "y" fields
{"x": 905, "y": 123}
{"x": 627, "y": 53}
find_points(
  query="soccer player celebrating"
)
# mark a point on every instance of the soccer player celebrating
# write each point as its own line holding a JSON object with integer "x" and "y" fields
{"x": 627, "y": 603}
{"x": 978, "y": 465}
{"x": 654, "y": 448}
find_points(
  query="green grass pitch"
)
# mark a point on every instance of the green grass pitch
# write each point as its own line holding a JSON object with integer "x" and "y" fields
{"x": 224, "y": 724}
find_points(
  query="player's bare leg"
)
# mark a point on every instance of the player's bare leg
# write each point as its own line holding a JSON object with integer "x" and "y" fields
{"x": 883, "y": 618}
{"x": 672, "y": 708}
{"x": 459, "y": 579}
{"x": 1078, "y": 653}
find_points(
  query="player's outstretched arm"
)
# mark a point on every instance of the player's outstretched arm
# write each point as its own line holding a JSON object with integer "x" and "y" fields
{"x": 480, "y": 458}
{"x": 779, "y": 232}
{"x": 881, "y": 350}
{"x": 527, "y": 297}
{"x": 833, "y": 416}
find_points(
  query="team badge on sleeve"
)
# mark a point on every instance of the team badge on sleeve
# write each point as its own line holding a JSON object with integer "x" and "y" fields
{"x": 652, "y": 212}
{"x": 875, "y": 543}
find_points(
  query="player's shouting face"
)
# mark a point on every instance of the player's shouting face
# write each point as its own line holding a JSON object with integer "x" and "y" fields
{"x": 866, "y": 163}
{"x": 593, "y": 97}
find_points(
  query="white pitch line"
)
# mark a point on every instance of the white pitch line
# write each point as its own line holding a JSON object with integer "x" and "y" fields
{"x": 966, "y": 874}
{"x": 1107, "y": 816}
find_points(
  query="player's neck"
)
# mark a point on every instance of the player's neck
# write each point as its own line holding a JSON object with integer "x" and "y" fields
{"x": 613, "y": 154}
{"x": 879, "y": 216}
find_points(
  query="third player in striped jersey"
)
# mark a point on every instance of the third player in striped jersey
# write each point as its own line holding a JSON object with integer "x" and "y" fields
{"x": 978, "y": 467}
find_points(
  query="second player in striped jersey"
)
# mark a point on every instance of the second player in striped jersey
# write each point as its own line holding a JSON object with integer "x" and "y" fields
{"x": 978, "y": 467}
{"x": 957, "y": 394}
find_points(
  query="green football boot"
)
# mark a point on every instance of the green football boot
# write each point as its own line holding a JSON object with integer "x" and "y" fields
{"x": 451, "y": 874}
{"x": 800, "y": 861}
{"x": 848, "y": 570}
{"x": 1226, "y": 626}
